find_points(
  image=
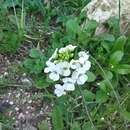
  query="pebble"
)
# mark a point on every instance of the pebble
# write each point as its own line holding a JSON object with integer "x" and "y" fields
{"x": 11, "y": 102}
{"x": 9, "y": 94}
{"x": 21, "y": 116}
{"x": 18, "y": 95}
{"x": 24, "y": 74}
{"x": 26, "y": 112}
{"x": 5, "y": 73}
{"x": 26, "y": 81}
{"x": 28, "y": 107}
{"x": 102, "y": 119}
{"x": 30, "y": 101}
{"x": 16, "y": 108}
{"x": 7, "y": 101}
{"x": 41, "y": 112}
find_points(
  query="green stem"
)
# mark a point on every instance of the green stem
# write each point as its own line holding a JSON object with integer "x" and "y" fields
{"x": 86, "y": 108}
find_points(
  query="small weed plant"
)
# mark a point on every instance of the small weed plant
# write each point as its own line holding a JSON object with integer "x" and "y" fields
{"x": 85, "y": 76}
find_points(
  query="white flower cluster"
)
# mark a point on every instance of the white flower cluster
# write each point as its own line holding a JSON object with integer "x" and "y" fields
{"x": 64, "y": 68}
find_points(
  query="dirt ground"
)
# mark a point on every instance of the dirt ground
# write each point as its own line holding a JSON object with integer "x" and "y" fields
{"x": 22, "y": 105}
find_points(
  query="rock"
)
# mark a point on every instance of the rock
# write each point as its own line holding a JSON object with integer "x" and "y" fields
{"x": 26, "y": 82}
{"x": 4, "y": 106}
{"x": 102, "y": 10}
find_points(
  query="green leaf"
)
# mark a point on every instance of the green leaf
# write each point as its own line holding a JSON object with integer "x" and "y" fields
{"x": 35, "y": 53}
{"x": 108, "y": 74}
{"x": 89, "y": 96}
{"x": 91, "y": 25}
{"x": 119, "y": 44}
{"x": 41, "y": 83}
{"x": 75, "y": 126}
{"x": 101, "y": 96}
{"x": 106, "y": 45}
{"x": 88, "y": 126}
{"x": 43, "y": 125}
{"x": 72, "y": 26}
{"x": 113, "y": 22}
{"x": 116, "y": 57}
{"x": 32, "y": 66}
{"x": 123, "y": 69}
{"x": 28, "y": 63}
{"x": 108, "y": 37}
{"x": 9, "y": 3}
{"x": 57, "y": 119}
{"x": 91, "y": 76}
{"x": 126, "y": 115}
{"x": 104, "y": 86}
{"x": 38, "y": 67}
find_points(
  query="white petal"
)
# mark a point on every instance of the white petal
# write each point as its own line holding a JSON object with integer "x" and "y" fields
{"x": 81, "y": 70}
{"x": 54, "y": 76}
{"x": 63, "y": 65}
{"x": 67, "y": 48}
{"x": 54, "y": 55}
{"x": 87, "y": 65}
{"x": 49, "y": 63}
{"x": 58, "y": 68}
{"x": 62, "y": 50}
{"x": 59, "y": 93}
{"x": 66, "y": 72}
{"x": 68, "y": 80}
{"x": 74, "y": 64}
{"x": 82, "y": 79}
{"x": 66, "y": 64}
{"x": 58, "y": 86}
{"x": 81, "y": 53}
{"x": 70, "y": 47}
{"x": 75, "y": 75}
{"x": 69, "y": 87}
{"x": 46, "y": 70}
{"x": 82, "y": 60}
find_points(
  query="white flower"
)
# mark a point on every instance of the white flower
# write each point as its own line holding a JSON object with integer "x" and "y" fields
{"x": 53, "y": 71}
{"x": 82, "y": 60}
{"x": 46, "y": 70}
{"x": 83, "y": 54}
{"x": 74, "y": 64}
{"x": 87, "y": 65}
{"x": 67, "y": 48}
{"x": 80, "y": 76}
{"x": 68, "y": 80}
{"x": 62, "y": 50}
{"x": 75, "y": 75}
{"x": 50, "y": 67}
{"x": 69, "y": 86}
{"x": 82, "y": 79}
{"x": 54, "y": 76}
{"x": 54, "y": 55}
{"x": 70, "y": 47}
{"x": 59, "y": 90}
{"x": 83, "y": 57}
{"x": 64, "y": 68}
{"x": 69, "y": 73}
